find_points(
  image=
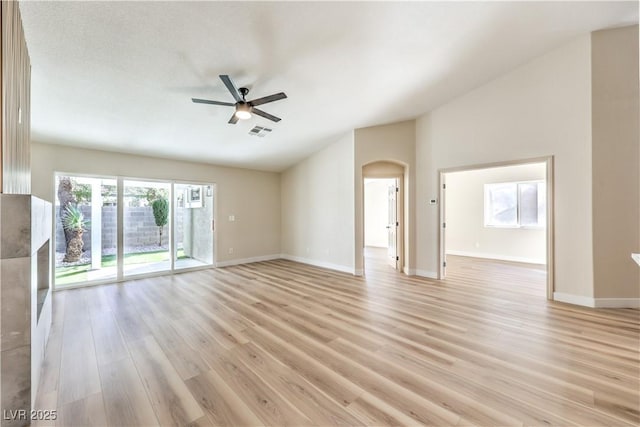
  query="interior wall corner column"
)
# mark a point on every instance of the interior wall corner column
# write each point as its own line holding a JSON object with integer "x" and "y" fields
{"x": 16, "y": 96}
{"x": 25, "y": 230}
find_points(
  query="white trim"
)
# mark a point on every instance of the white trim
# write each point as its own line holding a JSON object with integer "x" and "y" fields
{"x": 427, "y": 274}
{"x": 409, "y": 271}
{"x": 574, "y": 299}
{"x": 172, "y": 227}
{"x": 322, "y": 264}
{"x": 617, "y": 302}
{"x": 239, "y": 261}
{"x": 597, "y": 302}
{"x": 497, "y": 257}
{"x": 119, "y": 230}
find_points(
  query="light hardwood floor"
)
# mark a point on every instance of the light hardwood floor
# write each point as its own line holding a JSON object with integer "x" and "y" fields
{"x": 279, "y": 343}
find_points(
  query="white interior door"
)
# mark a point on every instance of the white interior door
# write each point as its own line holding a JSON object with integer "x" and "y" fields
{"x": 392, "y": 227}
{"x": 443, "y": 226}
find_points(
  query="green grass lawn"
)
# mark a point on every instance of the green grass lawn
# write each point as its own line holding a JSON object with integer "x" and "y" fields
{"x": 78, "y": 273}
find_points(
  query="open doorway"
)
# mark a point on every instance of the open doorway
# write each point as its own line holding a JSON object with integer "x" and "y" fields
{"x": 499, "y": 218}
{"x": 382, "y": 223}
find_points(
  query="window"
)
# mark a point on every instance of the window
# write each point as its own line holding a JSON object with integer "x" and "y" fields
{"x": 515, "y": 204}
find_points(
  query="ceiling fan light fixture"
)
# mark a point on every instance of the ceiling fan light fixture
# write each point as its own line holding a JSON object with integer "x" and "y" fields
{"x": 243, "y": 111}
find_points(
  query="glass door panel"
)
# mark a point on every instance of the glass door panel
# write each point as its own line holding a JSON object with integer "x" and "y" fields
{"x": 146, "y": 221}
{"x": 86, "y": 229}
{"x": 193, "y": 225}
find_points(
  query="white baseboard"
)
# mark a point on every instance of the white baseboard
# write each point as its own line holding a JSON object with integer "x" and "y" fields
{"x": 617, "y": 302}
{"x": 574, "y": 299}
{"x": 497, "y": 257}
{"x": 597, "y": 302}
{"x": 322, "y": 264}
{"x": 247, "y": 260}
{"x": 427, "y": 274}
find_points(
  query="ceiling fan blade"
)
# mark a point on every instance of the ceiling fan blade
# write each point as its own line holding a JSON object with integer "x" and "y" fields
{"x": 270, "y": 98}
{"x": 231, "y": 86}
{"x": 233, "y": 120}
{"x": 265, "y": 115}
{"x": 206, "y": 101}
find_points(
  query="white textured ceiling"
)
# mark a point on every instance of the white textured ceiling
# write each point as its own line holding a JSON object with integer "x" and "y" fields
{"x": 120, "y": 75}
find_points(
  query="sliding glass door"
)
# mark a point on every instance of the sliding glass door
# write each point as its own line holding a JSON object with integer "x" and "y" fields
{"x": 85, "y": 229}
{"x": 108, "y": 229}
{"x": 146, "y": 221}
{"x": 193, "y": 225}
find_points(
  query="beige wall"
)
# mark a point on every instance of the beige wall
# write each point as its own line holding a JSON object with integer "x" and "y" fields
{"x": 252, "y": 197}
{"x": 542, "y": 108}
{"x": 382, "y": 169}
{"x": 317, "y": 207}
{"x": 616, "y": 160}
{"x": 396, "y": 143}
{"x": 466, "y": 234}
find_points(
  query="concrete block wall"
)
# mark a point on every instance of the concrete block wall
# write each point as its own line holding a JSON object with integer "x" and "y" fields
{"x": 140, "y": 228}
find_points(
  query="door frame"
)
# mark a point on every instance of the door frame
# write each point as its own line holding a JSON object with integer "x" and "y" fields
{"x": 400, "y": 249}
{"x": 550, "y": 233}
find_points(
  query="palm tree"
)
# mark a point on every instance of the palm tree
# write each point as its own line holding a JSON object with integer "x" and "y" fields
{"x": 75, "y": 224}
{"x": 66, "y": 198}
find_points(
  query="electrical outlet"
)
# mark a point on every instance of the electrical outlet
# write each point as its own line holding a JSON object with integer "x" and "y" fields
{"x": 232, "y": 218}
{"x": 230, "y": 251}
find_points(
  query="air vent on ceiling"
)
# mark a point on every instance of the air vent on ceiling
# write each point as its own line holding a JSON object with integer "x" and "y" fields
{"x": 259, "y": 131}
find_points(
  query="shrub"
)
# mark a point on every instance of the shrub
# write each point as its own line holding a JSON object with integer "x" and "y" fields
{"x": 160, "y": 208}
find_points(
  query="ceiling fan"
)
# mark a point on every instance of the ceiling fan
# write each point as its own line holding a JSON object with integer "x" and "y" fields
{"x": 244, "y": 108}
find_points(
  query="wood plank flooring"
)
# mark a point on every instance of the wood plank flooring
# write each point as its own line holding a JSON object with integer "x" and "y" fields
{"x": 284, "y": 344}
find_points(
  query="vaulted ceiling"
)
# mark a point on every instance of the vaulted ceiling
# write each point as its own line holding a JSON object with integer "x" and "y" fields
{"x": 120, "y": 76}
